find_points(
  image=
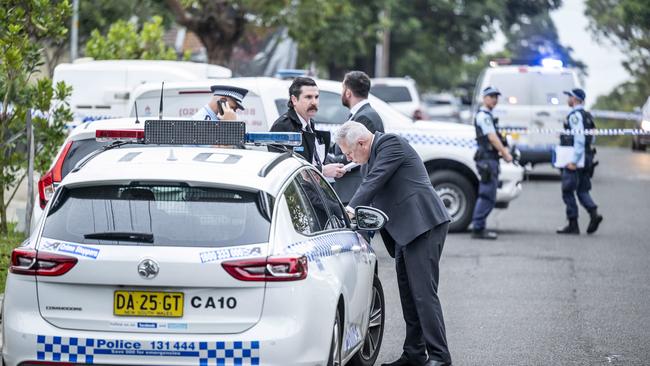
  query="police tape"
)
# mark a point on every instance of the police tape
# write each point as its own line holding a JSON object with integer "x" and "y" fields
{"x": 593, "y": 132}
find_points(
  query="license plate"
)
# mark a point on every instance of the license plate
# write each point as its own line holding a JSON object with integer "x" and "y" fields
{"x": 148, "y": 303}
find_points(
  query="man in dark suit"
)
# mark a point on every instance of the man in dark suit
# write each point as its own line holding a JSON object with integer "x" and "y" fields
{"x": 396, "y": 182}
{"x": 303, "y": 106}
{"x": 356, "y": 87}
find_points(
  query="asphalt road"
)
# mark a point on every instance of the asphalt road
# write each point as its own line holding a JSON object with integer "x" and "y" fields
{"x": 536, "y": 298}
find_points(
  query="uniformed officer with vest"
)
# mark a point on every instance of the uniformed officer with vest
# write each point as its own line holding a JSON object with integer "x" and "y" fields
{"x": 230, "y": 98}
{"x": 491, "y": 146}
{"x": 576, "y": 176}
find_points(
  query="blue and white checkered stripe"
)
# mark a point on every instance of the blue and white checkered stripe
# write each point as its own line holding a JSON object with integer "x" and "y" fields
{"x": 429, "y": 139}
{"x": 229, "y": 353}
{"x": 64, "y": 349}
{"x": 82, "y": 350}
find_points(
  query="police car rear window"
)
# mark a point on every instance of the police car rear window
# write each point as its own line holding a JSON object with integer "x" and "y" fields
{"x": 158, "y": 215}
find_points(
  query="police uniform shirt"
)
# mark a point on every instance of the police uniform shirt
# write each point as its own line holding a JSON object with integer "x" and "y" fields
{"x": 484, "y": 121}
{"x": 575, "y": 124}
{"x": 205, "y": 114}
{"x": 320, "y": 148}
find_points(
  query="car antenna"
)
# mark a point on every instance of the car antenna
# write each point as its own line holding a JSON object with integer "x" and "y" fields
{"x": 136, "y": 113}
{"x": 160, "y": 112}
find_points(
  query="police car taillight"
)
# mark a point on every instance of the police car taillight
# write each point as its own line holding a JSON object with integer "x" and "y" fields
{"x": 271, "y": 269}
{"x": 27, "y": 261}
{"x": 120, "y": 135}
{"x": 47, "y": 183}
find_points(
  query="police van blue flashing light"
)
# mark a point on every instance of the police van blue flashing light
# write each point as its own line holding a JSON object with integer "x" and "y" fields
{"x": 550, "y": 62}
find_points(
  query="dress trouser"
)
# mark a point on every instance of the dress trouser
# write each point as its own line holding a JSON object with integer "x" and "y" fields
{"x": 487, "y": 194}
{"x": 417, "y": 277}
{"x": 576, "y": 182}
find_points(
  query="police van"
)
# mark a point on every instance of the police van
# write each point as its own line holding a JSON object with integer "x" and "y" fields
{"x": 447, "y": 149}
{"x": 102, "y": 89}
{"x": 531, "y": 99}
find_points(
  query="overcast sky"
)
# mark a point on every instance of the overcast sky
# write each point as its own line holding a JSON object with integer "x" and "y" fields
{"x": 603, "y": 61}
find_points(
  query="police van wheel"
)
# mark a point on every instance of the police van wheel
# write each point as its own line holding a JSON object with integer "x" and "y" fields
{"x": 458, "y": 195}
{"x": 367, "y": 355}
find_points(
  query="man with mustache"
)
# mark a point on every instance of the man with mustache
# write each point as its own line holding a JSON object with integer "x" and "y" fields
{"x": 303, "y": 105}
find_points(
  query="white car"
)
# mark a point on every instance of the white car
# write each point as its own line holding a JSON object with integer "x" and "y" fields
{"x": 181, "y": 255}
{"x": 447, "y": 149}
{"x": 400, "y": 93}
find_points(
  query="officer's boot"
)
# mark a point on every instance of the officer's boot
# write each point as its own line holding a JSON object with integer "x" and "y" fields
{"x": 571, "y": 228}
{"x": 594, "y": 221}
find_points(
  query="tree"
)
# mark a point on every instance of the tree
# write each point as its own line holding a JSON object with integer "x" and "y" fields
{"x": 220, "y": 24}
{"x": 124, "y": 42}
{"x": 625, "y": 23}
{"x": 25, "y": 25}
{"x": 432, "y": 40}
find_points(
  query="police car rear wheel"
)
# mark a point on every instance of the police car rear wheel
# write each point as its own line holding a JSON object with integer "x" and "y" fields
{"x": 457, "y": 194}
{"x": 335, "y": 347}
{"x": 367, "y": 355}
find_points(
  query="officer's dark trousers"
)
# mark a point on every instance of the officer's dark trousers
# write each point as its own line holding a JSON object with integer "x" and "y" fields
{"x": 417, "y": 278}
{"x": 487, "y": 195}
{"x": 576, "y": 182}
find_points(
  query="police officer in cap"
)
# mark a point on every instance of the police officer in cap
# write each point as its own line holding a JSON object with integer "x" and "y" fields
{"x": 490, "y": 147}
{"x": 224, "y": 103}
{"x": 576, "y": 177}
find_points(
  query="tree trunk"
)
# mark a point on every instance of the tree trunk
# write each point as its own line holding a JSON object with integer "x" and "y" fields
{"x": 30, "y": 172}
{"x": 218, "y": 52}
{"x": 3, "y": 211}
{"x": 218, "y": 24}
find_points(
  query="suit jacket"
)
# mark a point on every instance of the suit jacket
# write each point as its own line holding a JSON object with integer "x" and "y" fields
{"x": 367, "y": 116}
{"x": 396, "y": 182}
{"x": 289, "y": 122}
{"x": 348, "y": 184}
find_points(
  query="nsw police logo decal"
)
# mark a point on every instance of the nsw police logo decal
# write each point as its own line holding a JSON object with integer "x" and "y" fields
{"x": 148, "y": 269}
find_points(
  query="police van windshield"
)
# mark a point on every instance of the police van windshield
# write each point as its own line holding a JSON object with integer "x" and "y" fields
{"x": 532, "y": 88}
{"x": 157, "y": 215}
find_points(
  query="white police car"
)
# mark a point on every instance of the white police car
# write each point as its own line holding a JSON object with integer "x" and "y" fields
{"x": 447, "y": 149}
{"x": 187, "y": 255}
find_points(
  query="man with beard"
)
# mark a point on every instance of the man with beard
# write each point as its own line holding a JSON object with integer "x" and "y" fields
{"x": 303, "y": 105}
{"x": 356, "y": 87}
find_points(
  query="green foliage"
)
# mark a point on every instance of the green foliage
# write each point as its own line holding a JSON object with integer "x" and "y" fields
{"x": 123, "y": 42}
{"x": 432, "y": 40}
{"x": 24, "y": 27}
{"x": 626, "y": 24}
{"x": 334, "y": 32}
{"x": 101, "y": 14}
{"x": 8, "y": 242}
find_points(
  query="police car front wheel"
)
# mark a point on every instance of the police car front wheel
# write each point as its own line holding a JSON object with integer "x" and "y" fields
{"x": 457, "y": 194}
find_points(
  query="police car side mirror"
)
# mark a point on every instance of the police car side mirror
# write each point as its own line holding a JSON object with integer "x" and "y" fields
{"x": 369, "y": 218}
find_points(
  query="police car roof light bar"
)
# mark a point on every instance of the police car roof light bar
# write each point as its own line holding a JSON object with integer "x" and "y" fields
{"x": 190, "y": 132}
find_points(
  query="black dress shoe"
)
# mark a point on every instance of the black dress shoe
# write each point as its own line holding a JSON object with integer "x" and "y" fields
{"x": 402, "y": 361}
{"x": 484, "y": 234}
{"x": 437, "y": 363}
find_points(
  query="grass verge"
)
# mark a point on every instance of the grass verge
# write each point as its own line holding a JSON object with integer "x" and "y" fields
{"x": 7, "y": 244}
